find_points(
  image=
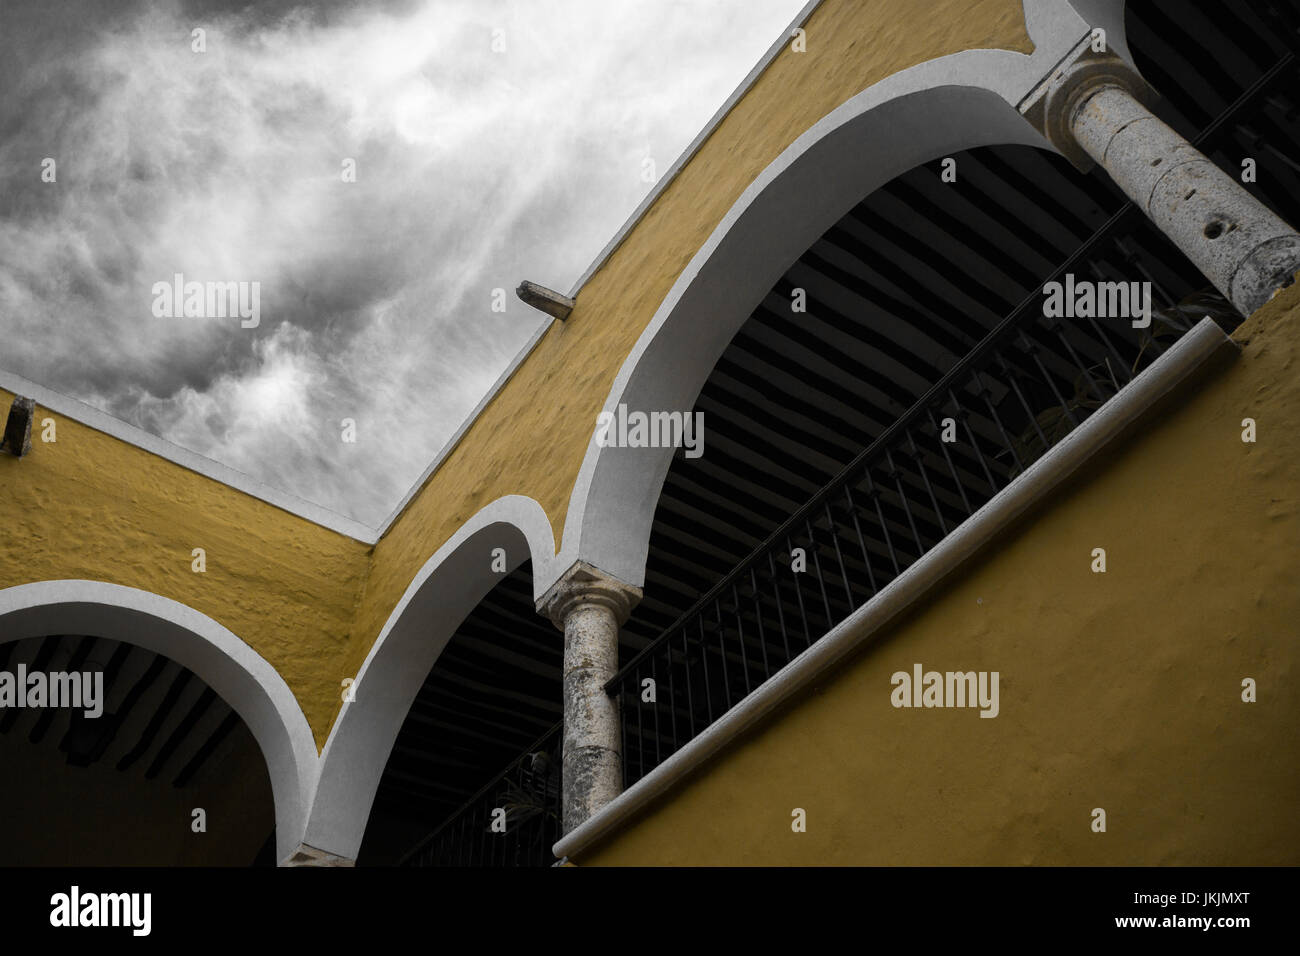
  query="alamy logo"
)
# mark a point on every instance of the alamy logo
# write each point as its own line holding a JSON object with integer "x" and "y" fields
{"x": 624, "y": 429}
{"x": 84, "y": 691}
{"x": 179, "y": 299}
{"x": 951, "y": 689}
{"x": 103, "y": 909}
{"x": 1083, "y": 299}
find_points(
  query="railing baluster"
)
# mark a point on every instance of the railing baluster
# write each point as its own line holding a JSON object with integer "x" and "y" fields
{"x": 821, "y": 580}
{"x": 1015, "y": 387}
{"x": 925, "y": 480}
{"x": 622, "y": 723}
{"x": 1032, "y": 351}
{"x": 640, "y": 725}
{"x": 874, "y": 493}
{"x": 956, "y": 476}
{"x": 780, "y": 609}
{"x": 1119, "y": 359}
{"x": 862, "y": 540}
{"x": 798, "y": 593}
{"x": 740, "y": 636}
{"x": 983, "y": 393}
{"x": 839, "y": 556}
{"x": 672, "y": 695}
{"x": 654, "y": 677}
{"x": 964, "y": 417}
{"x": 1082, "y": 366}
{"x": 898, "y": 481}
{"x": 758, "y": 621}
{"x": 704, "y": 662}
{"x": 726, "y": 680}
{"x": 690, "y": 696}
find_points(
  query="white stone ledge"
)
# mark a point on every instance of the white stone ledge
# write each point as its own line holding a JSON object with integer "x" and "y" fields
{"x": 1174, "y": 367}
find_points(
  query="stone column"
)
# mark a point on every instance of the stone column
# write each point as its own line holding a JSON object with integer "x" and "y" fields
{"x": 589, "y": 606}
{"x": 1091, "y": 108}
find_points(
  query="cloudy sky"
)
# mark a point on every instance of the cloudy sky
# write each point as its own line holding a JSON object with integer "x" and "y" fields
{"x": 493, "y": 140}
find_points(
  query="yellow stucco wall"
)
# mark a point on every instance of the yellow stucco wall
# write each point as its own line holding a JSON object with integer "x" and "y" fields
{"x": 1119, "y": 690}
{"x": 91, "y": 506}
{"x": 530, "y": 440}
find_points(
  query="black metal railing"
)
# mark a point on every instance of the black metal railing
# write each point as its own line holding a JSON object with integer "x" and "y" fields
{"x": 513, "y": 821}
{"x": 1022, "y": 389}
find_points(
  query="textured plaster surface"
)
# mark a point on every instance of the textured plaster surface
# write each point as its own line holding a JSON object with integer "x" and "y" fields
{"x": 1119, "y": 690}
{"x": 93, "y": 507}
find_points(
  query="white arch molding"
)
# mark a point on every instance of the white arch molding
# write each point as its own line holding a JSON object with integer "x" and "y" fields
{"x": 936, "y": 108}
{"x": 236, "y": 672}
{"x": 439, "y": 598}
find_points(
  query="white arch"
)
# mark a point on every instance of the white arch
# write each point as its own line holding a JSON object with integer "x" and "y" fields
{"x": 939, "y": 107}
{"x": 242, "y": 677}
{"x": 446, "y": 589}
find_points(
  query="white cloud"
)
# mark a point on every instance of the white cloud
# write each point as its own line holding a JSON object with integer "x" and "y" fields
{"x": 475, "y": 170}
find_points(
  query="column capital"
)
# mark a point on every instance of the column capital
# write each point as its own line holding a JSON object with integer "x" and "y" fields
{"x": 1051, "y": 106}
{"x": 585, "y": 584}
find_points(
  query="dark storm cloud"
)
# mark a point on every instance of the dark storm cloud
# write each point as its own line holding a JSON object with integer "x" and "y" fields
{"x": 475, "y": 169}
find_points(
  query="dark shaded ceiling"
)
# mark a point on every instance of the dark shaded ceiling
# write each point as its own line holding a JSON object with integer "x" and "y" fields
{"x": 159, "y": 720}
{"x": 161, "y": 723}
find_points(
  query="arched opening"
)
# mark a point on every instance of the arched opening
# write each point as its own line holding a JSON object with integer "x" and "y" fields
{"x": 400, "y": 685}
{"x": 924, "y": 311}
{"x": 162, "y": 772}
{"x": 478, "y": 737}
{"x": 190, "y": 713}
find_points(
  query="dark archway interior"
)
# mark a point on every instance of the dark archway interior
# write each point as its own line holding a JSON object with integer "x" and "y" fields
{"x": 493, "y": 692}
{"x": 120, "y": 789}
{"x": 897, "y": 291}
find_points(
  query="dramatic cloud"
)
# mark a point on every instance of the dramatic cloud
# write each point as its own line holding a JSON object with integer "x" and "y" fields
{"x": 492, "y": 141}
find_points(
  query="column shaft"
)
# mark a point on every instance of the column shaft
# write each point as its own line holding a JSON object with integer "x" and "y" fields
{"x": 593, "y": 763}
{"x": 589, "y": 606}
{"x": 1246, "y": 251}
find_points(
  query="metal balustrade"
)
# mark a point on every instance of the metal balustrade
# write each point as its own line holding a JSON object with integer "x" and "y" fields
{"x": 1023, "y": 388}
{"x": 511, "y": 822}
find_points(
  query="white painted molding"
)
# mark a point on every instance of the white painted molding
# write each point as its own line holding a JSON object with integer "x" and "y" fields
{"x": 1173, "y": 368}
{"x": 236, "y": 672}
{"x": 439, "y": 598}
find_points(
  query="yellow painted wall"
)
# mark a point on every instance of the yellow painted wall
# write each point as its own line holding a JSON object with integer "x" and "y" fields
{"x": 92, "y": 506}
{"x": 530, "y": 440}
{"x": 1119, "y": 690}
